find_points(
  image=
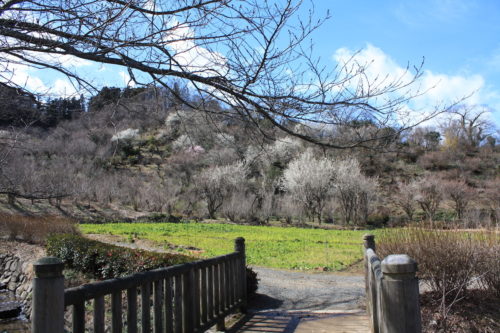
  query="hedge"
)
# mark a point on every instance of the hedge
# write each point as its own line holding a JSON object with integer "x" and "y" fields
{"x": 105, "y": 261}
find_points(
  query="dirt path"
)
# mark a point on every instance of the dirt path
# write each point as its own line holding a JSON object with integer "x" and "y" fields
{"x": 285, "y": 290}
{"x": 282, "y": 290}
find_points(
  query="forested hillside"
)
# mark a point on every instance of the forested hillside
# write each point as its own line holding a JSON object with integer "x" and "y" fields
{"x": 132, "y": 152}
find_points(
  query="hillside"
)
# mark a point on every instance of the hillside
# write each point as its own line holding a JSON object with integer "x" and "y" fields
{"x": 141, "y": 153}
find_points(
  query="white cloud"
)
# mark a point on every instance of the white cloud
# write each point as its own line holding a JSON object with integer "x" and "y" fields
{"x": 191, "y": 57}
{"x": 439, "y": 88}
{"x": 24, "y": 75}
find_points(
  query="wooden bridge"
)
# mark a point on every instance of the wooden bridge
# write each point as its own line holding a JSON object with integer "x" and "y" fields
{"x": 196, "y": 296}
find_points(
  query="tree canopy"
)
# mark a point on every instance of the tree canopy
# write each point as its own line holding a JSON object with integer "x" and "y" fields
{"x": 253, "y": 57}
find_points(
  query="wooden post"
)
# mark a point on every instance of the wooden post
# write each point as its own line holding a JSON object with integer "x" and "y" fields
{"x": 368, "y": 243}
{"x": 239, "y": 246}
{"x": 371, "y": 283}
{"x": 48, "y": 296}
{"x": 399, "y": 295}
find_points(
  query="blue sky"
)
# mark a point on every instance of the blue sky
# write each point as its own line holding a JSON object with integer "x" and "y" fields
{"x": 460, "y": 40}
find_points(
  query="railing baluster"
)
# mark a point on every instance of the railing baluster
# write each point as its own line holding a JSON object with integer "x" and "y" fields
{"x": 188, "y": 301}
{"x": 116, "y": 312}
{"x": 178, "y": 304}
{"x": 158, "y": 305}
{"x": 237, "y": 280}
{"x": 99, "y": 314}
{"x": 223, "y": 295}
{"x": 145, "y": 307}
{"x": 197, "y": 296}
{"x": 203, "y": 295}
{"x": 132, "y": 310}
{"x": 216, "y": 290}
{"x": 79, "y": 317}
{"x": 227, "y": 282}
{"x": 210, "y": 292}
{"x": 169, "y": 318}
{"x": 231, "y": 282}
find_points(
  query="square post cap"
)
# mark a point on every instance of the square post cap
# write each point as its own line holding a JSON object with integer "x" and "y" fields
{"x": 47, "y": 267}
{"x": 398, "y": 264}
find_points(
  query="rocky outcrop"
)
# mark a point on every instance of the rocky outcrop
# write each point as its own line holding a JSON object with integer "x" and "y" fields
{"x": 16, "y": 277}
{"x": 16, "y": 272}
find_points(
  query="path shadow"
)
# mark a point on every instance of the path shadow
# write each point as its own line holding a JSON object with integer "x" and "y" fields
{"x": 258, "y": 322}
{"x": 259, "y": 302}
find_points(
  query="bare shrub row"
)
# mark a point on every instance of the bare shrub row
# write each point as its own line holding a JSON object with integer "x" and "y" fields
{"x": 35, "y": 229}
{"x": 450, "y": 262}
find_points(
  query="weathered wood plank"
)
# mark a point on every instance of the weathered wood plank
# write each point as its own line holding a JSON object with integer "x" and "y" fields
{"x": 197, "y": 296}
{"x": 146, "y": 308}
{"x": 169, "y": 318}
{"x": 178, "y": 304}
{"x": 227, "y": 284}
{"x": 188, "y": 302}
{"x": 99, "y": 315}
{"x": 210, "y": 293}
{"x": 79, "y": 317}
{"x": 158, "y": 306}
{"x": 217, "y": 299}
{"x": 116, "y": 312}
{"x": 203, "y": 292}
{"x": 132, "y": 310}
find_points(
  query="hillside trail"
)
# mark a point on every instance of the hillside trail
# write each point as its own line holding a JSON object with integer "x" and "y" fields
{"x": 293, "y": 301}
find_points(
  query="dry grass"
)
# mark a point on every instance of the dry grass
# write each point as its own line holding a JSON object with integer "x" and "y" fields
{"x": 34, "y": 229}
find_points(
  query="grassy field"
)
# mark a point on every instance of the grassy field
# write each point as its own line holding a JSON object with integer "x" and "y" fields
{"x": 292, "y": 248}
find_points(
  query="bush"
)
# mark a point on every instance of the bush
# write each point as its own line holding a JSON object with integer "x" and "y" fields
{"x": 489, "y": 266}
{"x": 252, "y": 281}
{"x": 35, "y": 229}
{"x": 105, "y": 261}
{"x": 448, "y": 261}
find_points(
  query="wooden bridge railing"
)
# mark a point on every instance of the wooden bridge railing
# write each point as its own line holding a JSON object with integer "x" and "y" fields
{"x": 184, "y": 298}
{"x": 392, "y": 291}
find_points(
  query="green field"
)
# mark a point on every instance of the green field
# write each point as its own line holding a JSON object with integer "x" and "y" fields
{"x": 292, "y": 248}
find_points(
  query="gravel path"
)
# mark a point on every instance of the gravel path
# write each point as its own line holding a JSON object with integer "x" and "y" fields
{"x": 282, "y": 290}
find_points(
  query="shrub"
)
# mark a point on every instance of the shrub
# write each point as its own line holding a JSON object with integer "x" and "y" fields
{"x": 105, "y": 261}
{"x": 436, "y": 160}
{"x": 35, "y": 229}
{"x": 252, "y": 281}
{"x": 489, "y": 266}
{"x": 448, "y": 261}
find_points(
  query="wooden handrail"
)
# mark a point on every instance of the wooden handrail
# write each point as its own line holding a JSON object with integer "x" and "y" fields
{"x": 392, "y": 291}
{"x": 187, "y": 298}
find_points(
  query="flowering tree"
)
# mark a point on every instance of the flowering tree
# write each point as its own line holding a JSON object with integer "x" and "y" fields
{"x": 217, "y": 183}
{"x": 311, "y": 182}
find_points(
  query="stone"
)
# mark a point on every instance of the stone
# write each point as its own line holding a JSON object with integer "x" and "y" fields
{"x": 8, "y": 263}
{"x": 13, "y": 266}
{"x": 10, "y": 310}
{"x": 3, "y": 286}
{"x": 11, "y": 286}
